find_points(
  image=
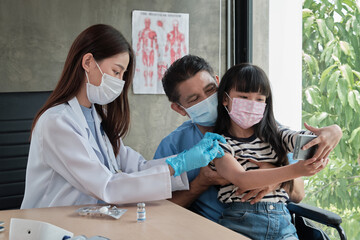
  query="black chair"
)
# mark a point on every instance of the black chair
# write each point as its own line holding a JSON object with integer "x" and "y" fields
{"x": 302, "y": 214}
{"x": 17, "y": 111}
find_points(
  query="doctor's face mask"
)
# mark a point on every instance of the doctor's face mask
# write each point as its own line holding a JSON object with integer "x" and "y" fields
{"x": 108, "y": 90}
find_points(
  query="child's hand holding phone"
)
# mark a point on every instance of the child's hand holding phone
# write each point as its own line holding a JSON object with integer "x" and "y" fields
{"x": 302, "y": 140}
{"x": 311, "y": 166}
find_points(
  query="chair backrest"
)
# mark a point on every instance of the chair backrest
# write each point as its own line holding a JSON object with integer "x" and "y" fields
{"x": 17, "y": 110}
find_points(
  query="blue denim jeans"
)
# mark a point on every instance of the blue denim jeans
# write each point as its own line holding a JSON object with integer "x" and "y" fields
{"x": 262, "y": 221}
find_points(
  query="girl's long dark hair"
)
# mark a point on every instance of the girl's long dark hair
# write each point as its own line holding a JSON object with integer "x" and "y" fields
{"x": 246, "y": 77}
{"x": 102, "y": 41}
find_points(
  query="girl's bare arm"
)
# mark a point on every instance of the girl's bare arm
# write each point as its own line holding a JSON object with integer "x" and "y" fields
{"x": 230, "y": 169}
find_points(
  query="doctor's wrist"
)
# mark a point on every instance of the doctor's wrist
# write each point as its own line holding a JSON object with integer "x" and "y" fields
{"x": 172, "y": 171}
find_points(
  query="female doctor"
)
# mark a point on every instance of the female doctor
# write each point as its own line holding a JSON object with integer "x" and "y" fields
{"x": 76, "y": 152}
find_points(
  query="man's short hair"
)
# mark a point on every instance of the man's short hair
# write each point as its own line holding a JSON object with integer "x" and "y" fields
{"x": 180, "y": 71}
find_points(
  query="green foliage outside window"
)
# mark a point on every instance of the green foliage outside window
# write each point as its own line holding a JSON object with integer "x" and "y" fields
{"x": 331, "y": 95}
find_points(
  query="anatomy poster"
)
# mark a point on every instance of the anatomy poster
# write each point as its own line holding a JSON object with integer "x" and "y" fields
{"x": 158, "y": 39}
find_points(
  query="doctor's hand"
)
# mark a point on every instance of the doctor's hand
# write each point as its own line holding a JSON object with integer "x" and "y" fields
{"x": 328, "y": 138}
{"x": 198, "y": 156}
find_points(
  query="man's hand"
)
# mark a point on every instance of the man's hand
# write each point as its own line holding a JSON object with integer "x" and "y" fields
{"x": 208, "y": 177}
{"x": 259, "y": 193}
{"x": 200, "y": 184}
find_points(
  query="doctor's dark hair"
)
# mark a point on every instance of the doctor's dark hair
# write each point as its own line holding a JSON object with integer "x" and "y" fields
{"x": 180, "y": 71}
{"x": 102, "y": 41}
{"x": 246, "y": 77}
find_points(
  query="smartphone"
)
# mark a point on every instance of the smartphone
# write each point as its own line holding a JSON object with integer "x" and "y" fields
{"x": 301, "y": 140}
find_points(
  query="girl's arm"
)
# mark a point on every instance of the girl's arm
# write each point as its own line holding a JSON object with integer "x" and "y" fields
{"x": 257, "y": 194}
{"x": 230, "y": 169}
{"x": 327, "y": 139}
{"x": 297, "y": 194}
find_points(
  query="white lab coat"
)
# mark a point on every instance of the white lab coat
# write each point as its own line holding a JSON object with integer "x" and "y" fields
{"x": 64, "y": 168}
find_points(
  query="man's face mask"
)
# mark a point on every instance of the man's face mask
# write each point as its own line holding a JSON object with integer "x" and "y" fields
{"x": 246, "y": 113}
{"x": 204, "y": 113}
{"x": 108, "y": 90}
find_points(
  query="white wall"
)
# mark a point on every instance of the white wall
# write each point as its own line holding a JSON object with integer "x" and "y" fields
{"x": 285, "y": 60}
{"x": 261, "y": 34}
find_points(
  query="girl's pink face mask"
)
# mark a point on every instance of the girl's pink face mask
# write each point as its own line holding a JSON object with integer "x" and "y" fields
{"x": 246, "y": 113}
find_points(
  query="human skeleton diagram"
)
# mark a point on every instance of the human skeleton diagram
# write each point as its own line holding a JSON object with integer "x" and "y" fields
{"x": 175, "y": 42}
{"x": 147, "y": 43}
{"x": 161, "y": 64}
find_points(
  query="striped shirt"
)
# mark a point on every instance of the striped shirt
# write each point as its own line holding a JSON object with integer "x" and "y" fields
{"x": 253, "y": 148}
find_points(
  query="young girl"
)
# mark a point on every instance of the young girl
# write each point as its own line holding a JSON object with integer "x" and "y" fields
{"x": 246, "y": 119}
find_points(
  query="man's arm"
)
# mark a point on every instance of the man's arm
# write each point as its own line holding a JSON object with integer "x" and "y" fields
{"x": 187, "y": 197}
{"x": 298, "y": 192}
{"x": 200, "y": 184}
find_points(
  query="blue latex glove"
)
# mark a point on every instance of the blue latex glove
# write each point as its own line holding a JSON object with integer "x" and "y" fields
{"x": 214, "y": 136}
{"x": 219, "y": 138}
{"x": 198, "y": 156}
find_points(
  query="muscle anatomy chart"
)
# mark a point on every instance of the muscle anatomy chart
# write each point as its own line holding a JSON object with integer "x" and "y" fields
{"x": 158, "y": 39}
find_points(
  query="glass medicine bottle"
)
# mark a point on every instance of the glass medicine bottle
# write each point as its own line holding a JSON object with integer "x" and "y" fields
{"x": 141, "y": 212}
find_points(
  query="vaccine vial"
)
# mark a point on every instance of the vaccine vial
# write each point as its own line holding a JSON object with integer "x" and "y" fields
{"x": 141, "y": 212}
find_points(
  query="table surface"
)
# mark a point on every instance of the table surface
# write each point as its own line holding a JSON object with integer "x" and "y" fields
{"x": 164, "y": 220}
